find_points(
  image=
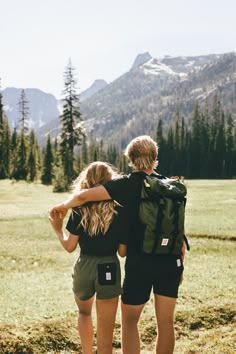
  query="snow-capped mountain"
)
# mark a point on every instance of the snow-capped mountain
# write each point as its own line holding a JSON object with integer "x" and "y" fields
{"x": 133, "y": 103}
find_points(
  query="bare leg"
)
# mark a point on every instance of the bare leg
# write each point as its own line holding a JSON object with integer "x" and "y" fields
{"x": 165, "y": 307}
{"x": 85, "y": 324}
{"x": 130, "y": 334}
{"x": 106, "y": 315}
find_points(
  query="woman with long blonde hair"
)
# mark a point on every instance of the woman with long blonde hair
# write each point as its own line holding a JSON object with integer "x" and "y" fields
{"x": 101, "y": 229}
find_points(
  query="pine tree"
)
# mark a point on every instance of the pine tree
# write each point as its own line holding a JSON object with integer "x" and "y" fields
{"x": 196, "y": 147}
{"x": 48, "y": 159}
{"x": 213, "y": 132}
{"x": 13, "y": 150}
{"x": 6, "y": 147}
{"x": 169, "y": 171}
{"x": 112, "y": 154}
{"x": 182, "y": 149}
{"x": 229, "y": 146}
{"x": 33, "y": 159}
{"x": 83, "y": 158}
{"x": 161, "y": 146}
{"x": 60, "y": 181}
{"x": 93, "y": 150}
{"x": 20, "y": 170}
{"x": 101, "y": 152}
{"x": 20, "y": 167}
{"x": 220, "y": 149}
{"x": 3, "y": 168}
{"x": 23, "y": 106}
{"x": 72, "y": 131}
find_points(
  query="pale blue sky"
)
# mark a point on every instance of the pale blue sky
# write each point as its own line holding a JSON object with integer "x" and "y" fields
{"x": 103, "y": 37}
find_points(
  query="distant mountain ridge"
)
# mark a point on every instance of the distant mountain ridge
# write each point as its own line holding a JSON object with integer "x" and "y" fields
{"x": 152, "y": 88}
{"x": 43, "y": 107}
{"x": 94, "y": 88}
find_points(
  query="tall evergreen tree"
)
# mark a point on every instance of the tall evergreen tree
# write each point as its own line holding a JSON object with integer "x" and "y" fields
{"x": 3, "y": 147}
{"x": 205, "y": 142}
{"x": 101, "y": 152}
{"x": 229, "y": 146}
{"x": 85, "y": 158}
{"x": 23, "y": 107}
{"x": 169, "y": 170}
{"x": 93, "y": 150}
{"x": 161, "y": 145}
{"x": 176, "y": 152}
{"x": 47, "y": 173}
{"x": 112, "y": 154}
{"x": 6, "y": 151}
{"x": 196, "y": 148}
{"x": 20, "y": 170}
{"x": 214, "y": 127}
{"x": 34, "y": 158}
{"x": 72, "y": 131}
{"x": 21, "y": 155}
{"x": 220, "y": 149}
{"x": 182, "y": 149}
{"x": 13, "y": 150}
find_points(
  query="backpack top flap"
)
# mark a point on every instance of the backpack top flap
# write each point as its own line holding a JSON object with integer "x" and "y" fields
{"x": 169, "y": 187}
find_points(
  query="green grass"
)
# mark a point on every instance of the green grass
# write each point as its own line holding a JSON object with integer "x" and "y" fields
{"x": 211, "y": 208}
{"x": 37, "y": 310}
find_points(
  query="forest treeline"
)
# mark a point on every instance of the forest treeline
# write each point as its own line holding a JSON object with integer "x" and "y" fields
{"x": 202, "y": 147}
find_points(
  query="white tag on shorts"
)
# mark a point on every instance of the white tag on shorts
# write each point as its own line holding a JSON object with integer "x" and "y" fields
{"x": 178, "y": 261}
{"x": 108, "y": 276}
{"x": 164, "y": 241}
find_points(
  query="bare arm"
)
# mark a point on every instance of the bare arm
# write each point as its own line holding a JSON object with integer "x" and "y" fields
{"x": 87, "y": 195}
{"x": 122, "y": 250}
{"x": 183, "y": 251}
{"x": 69, "y": 243}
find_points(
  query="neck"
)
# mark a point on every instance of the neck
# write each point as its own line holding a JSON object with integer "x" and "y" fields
{"x": 148, "y": 171}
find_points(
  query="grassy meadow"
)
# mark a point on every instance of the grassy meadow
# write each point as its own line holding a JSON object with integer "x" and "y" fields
{"x": 37, "y": 309}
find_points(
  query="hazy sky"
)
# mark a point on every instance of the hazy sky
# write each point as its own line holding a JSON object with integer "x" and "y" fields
{"x": 103, "y": 37}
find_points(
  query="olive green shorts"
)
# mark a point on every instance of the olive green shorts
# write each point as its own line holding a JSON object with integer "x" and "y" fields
{"x": 97, "y": 275}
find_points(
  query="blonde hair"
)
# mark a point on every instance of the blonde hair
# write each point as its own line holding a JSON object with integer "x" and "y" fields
{"x": 96, "y": 216}
{"x": 142, "y": 153}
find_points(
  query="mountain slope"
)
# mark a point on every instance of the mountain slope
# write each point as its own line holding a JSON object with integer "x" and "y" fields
{"x": 132, "y": 104}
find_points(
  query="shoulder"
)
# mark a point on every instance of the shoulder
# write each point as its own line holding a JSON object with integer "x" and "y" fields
{"x": 158, "y": 175}
{"x": 116, "y": 182}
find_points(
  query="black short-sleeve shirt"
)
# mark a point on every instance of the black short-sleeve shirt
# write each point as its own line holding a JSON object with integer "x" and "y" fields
{"x": 126, "y": 191}
{"x": 101, "y": 244}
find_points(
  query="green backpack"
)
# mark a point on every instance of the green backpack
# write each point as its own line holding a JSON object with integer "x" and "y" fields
{"x": 162, "y": 211}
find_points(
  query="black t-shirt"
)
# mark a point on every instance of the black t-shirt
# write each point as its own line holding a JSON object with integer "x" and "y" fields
{"x": 101, "y": 245}
{"x": 126, "y": 191}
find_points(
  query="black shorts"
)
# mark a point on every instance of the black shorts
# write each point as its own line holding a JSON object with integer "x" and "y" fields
{"x": 144, "y": 273}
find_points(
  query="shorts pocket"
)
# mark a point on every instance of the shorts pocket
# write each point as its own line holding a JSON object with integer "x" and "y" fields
{"x": 107, "y": 273}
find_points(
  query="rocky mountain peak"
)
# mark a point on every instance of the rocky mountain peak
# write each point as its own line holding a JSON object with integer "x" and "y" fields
{"x": 141, "y": 59}
{"x": 95, "y": 87}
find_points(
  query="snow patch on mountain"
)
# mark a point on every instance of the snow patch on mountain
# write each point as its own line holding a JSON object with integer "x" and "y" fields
{"x": 155, "y": 67}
